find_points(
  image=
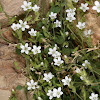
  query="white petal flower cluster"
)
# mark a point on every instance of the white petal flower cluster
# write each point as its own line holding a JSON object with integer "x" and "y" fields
{"x": 50, "y": 94}
{"x": 36, "y": 49}
{"x": 23, "y": 25}
{"x": 86, "y": 63}
{"x": 19, "y": 25}
{"x": 75, "y": 1}
{"x": 15, "y": 26}
{"x": 58, "y": 61}
{"x": 93, "y": 96}
{"x": 57, "y": 23}
{"x": 81, "y": 25}
{"x": 66, "y": 81}
{"x": 32, "y": 32}
{"x": 48, "y": 76}
{"x": 55, "y": 93}
{"x": 32, "y": 85}
{"x": 70, "y": 14}
{"x": 25, "y": 48}
{"x": 56, "y": 55}
{"x": 28, "y": 5}
{"x": 84, "y": 7}
{"x": 36, "y": 8}
{"x": 87, "y": 32}
{"x": 53, "y": 15}
{"x": 97, "y": 6}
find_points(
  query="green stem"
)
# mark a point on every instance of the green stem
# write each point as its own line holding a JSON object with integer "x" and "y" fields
{"x": 78, "y": 96}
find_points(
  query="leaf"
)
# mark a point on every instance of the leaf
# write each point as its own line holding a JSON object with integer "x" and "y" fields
{"x": 19, "y": 87}
{"x": 66, "y": 51}
{"x": 18, "y": 51}
{"x": 55, "y": 9}
{"x": 16, "y": 65}
{"x": 13, "y": 98}
{"x": 39, "y": 24}
{"x": 59, "y": 40}
{"x": 28, "y": 18}
{"x": 84, "y": 92}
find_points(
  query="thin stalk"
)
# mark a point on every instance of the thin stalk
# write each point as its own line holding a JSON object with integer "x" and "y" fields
{"x": 78, "y": 96}
{"x": 43, "y": 7}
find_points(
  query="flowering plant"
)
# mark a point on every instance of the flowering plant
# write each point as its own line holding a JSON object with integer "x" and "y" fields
{"x": 62, "y": 63}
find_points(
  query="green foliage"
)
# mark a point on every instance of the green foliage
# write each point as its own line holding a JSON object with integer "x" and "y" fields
{"x": 19, "y": 87}
{"x": 74, "y": 49}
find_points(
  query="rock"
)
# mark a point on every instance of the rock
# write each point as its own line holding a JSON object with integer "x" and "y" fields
{"x": 92, "y": 22}
{"x": 4, "y": 94}
{"x": 8, "y": 56}
{"x": 8, "y": 35}
{"x": 10, "y": 77}
{"x": 3, "y": 19}
{"x": 22, "y": 96}
{"x": 11, "y": 8}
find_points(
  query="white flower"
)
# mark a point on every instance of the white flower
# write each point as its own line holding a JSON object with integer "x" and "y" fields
{"x": 23, "y": 25}
{"x": 93, "y": 96}
{"x": 81, "y": 25}
{"x": 66, "y": 81}
{"x": 36, "y": 49}
{"x": 86, "y": 63}
{"x": 75, "y": 1}
{"x": 48, "y": 76}
{"x": 78, "y": 70}
{"x": 15, "y": 26}
{"x": 42, "y": 63}
{"x": 97, "y": 6}
{"x": 56, "y": 46}
{"x": 57, "y": 92}
{"x": 32, "y": 85}
{"x": 81, "y": 77}
{"x": 71, "y": 11}
{"x": 56, "y": 54}
{"x": 43, "y": 27}
{"x": 26, "y": 5}
{"x": 70, "y": 17}
{"x": 13, "y": 90}
{"x": 50, "y": 94}
{"x": 58, "y": 61}
{"x": 32, "y": 69}
{"x": 32, "y": 32}
{"x": 25, "y": 48}
{"x": 52, "y": 51}
{"x": 57, "y": 23}
{"x": 53, "y": 15}
{"x": 65, "y": 56}
{"x": 39, "y": 98}
{"x": 87, "y": 33}
{"x": 66, "y": 46}
{"x": 36, "y": 8}
{"x": 67, "y": 33}
{"x": 84, "y": 7}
